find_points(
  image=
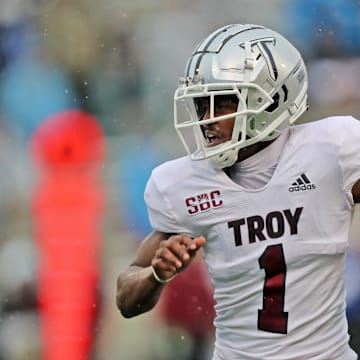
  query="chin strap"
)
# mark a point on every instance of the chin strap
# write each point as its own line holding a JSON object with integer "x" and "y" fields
{"x": 224, "y": 160}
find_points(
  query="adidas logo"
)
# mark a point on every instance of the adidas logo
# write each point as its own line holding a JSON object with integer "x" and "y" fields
{"x": 302, "y": 183}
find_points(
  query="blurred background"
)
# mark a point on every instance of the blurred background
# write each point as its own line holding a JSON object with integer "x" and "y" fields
{"x": 86, "y": 96}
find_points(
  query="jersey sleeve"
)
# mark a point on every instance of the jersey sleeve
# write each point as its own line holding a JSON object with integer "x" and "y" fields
{"x": 162, "y": 217}
{"x": 350, "y": 153}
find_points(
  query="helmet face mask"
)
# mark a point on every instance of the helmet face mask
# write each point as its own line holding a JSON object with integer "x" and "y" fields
{"x": 252, "y": 64}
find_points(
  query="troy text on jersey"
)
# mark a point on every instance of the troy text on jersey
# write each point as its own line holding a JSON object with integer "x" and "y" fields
{"x": 272, "y": 226}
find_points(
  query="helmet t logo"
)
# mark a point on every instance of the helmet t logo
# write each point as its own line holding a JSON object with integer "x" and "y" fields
{"x": 262, "y": 46}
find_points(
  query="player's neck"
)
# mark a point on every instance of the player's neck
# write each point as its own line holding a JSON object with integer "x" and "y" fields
{"x": 252, "y": 149}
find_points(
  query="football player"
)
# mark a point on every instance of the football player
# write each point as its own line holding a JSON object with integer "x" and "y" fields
{"x": 269, "y": 202}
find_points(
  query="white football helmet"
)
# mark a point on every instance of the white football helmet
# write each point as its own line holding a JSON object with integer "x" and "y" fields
{"x": 261, "y": 68}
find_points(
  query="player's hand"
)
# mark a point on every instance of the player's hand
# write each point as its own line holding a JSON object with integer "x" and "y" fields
{"x": 175, "y": 254}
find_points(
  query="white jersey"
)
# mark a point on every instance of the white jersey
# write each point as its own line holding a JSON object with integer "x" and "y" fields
{"x": 275, "y": 254}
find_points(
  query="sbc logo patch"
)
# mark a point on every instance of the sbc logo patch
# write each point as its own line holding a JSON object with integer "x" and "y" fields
{"x": 203, "y": 202}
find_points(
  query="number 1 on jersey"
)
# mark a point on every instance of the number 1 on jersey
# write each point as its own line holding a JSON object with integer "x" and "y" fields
{"x": 272, "y": 317}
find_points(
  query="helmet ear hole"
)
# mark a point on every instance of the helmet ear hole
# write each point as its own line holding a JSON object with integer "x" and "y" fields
{"x": 285, "y": 90}
{"x": 272, "y": 107}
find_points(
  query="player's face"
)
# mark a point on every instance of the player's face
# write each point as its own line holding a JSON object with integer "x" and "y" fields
{"x": 220, "y": 131}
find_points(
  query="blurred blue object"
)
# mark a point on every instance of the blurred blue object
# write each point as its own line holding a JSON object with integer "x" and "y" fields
{"x": 138, "y": 155}
{"x": 352, "y": 284}
{"x": 31, "y": 91}
{"x": 323, "y": 28}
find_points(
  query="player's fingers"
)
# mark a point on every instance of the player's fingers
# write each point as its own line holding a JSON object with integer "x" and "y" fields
{"x": 197, "y": 243}
{"x": 178, "y": 251}
{"x": 178, "y": 245}
{"x": 163, "y": 268}
{"x": 181, "y": 239}
{"x": 187, "y": 241}
{"x": 168, "y": 256}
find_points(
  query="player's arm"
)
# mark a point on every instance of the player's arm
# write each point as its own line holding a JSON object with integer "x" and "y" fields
{"x": 356, "y": 192}
{"x": 138, "y": 290}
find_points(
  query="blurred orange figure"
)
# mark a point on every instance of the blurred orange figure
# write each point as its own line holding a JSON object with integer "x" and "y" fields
{"x": 67, "y": 207}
